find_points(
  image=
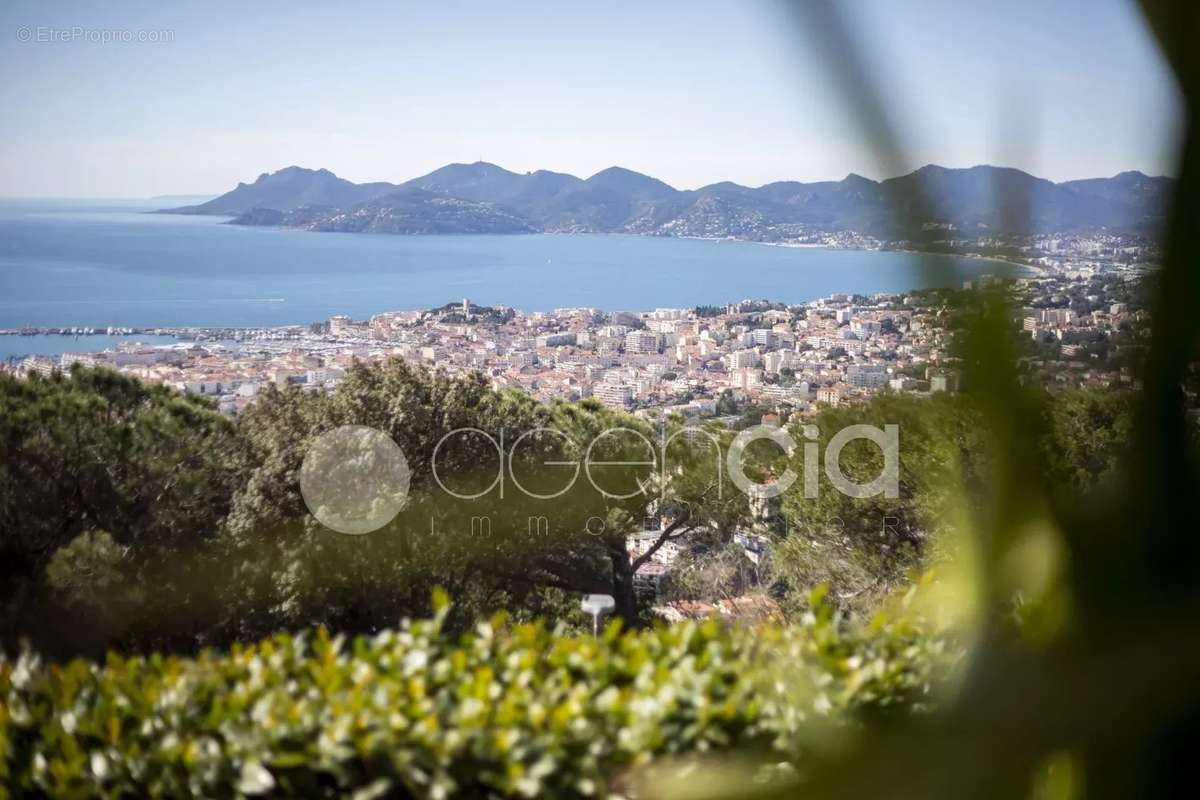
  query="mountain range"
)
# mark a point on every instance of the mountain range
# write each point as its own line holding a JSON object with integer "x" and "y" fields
{"x": 930, "y": 203}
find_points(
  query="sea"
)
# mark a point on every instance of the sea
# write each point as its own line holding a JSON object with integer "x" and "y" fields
{"x": 96, "y": 263}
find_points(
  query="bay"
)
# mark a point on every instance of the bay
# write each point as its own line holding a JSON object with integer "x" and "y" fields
{"x": 100, "y": 264}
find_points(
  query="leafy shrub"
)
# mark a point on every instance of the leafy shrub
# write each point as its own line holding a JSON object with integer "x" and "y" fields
{"x": 507, "y": 710}
{"x": 85, "y": 570}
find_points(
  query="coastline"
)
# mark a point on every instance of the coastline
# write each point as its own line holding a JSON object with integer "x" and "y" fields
{"x": 1032, "y": 268}
{"x": 272, "y": 282}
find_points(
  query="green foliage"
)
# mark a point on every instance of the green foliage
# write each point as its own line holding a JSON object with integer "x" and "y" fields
{"x": 209, "y": 511}
{"x": 95, "y": 450}
{"x": 710, "y": 571}
{"x": 726, "y": 403}
{"x": 1088, "y": 433}
{"x": 865, "y": 548}
{"x": 413, "y": 406}
{"x": 291, "y": 572}
{"x": 507, "y": 710}
{"x": 87, "y": 569}
{"x": 271, "y": 566}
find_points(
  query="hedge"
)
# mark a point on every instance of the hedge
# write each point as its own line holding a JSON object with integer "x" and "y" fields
{"x": 508, "y": 710}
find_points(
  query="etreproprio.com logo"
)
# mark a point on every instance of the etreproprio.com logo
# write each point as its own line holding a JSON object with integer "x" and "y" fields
{"x": 355, "y": 479}
{"x": 49, "y": 34}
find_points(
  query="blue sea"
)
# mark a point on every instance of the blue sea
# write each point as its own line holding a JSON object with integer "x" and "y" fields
{"x": 91, "y": 263}
{"x": 16, "y": 347}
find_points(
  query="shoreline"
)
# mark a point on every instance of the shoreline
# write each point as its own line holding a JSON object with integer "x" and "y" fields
{"x": 864, "y": 249}
{"x": 716, "y": 239}
{"x": 1036, "y": 270}
{"x": 790, "y": 285}
{"x": 201, "y": 333}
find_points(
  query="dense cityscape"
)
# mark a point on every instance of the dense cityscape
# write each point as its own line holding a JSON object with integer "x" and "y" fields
{"x": 1075, "y": 305}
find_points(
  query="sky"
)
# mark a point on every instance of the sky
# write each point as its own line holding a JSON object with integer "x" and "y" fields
{"x": 690, "y": 92}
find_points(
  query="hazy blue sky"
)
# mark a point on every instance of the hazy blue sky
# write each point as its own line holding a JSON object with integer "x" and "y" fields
{"x": 691, "y": 92}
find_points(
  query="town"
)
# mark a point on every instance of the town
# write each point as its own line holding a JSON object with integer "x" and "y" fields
{"x": 1080, "y": 320}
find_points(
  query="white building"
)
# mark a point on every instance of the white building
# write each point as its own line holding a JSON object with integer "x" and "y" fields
{"x": 615, "y": 395}
{"x": 777, "y": 360}
{"x": 763, "y": 337}
{"x": 641, "y": 342}
{"x": 742, "y": 359}
{"x": 555, "y": 339}
{"x": 866, "y": 376}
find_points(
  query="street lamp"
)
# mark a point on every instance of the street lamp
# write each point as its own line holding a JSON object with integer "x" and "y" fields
{"x": 598, "y": 605}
